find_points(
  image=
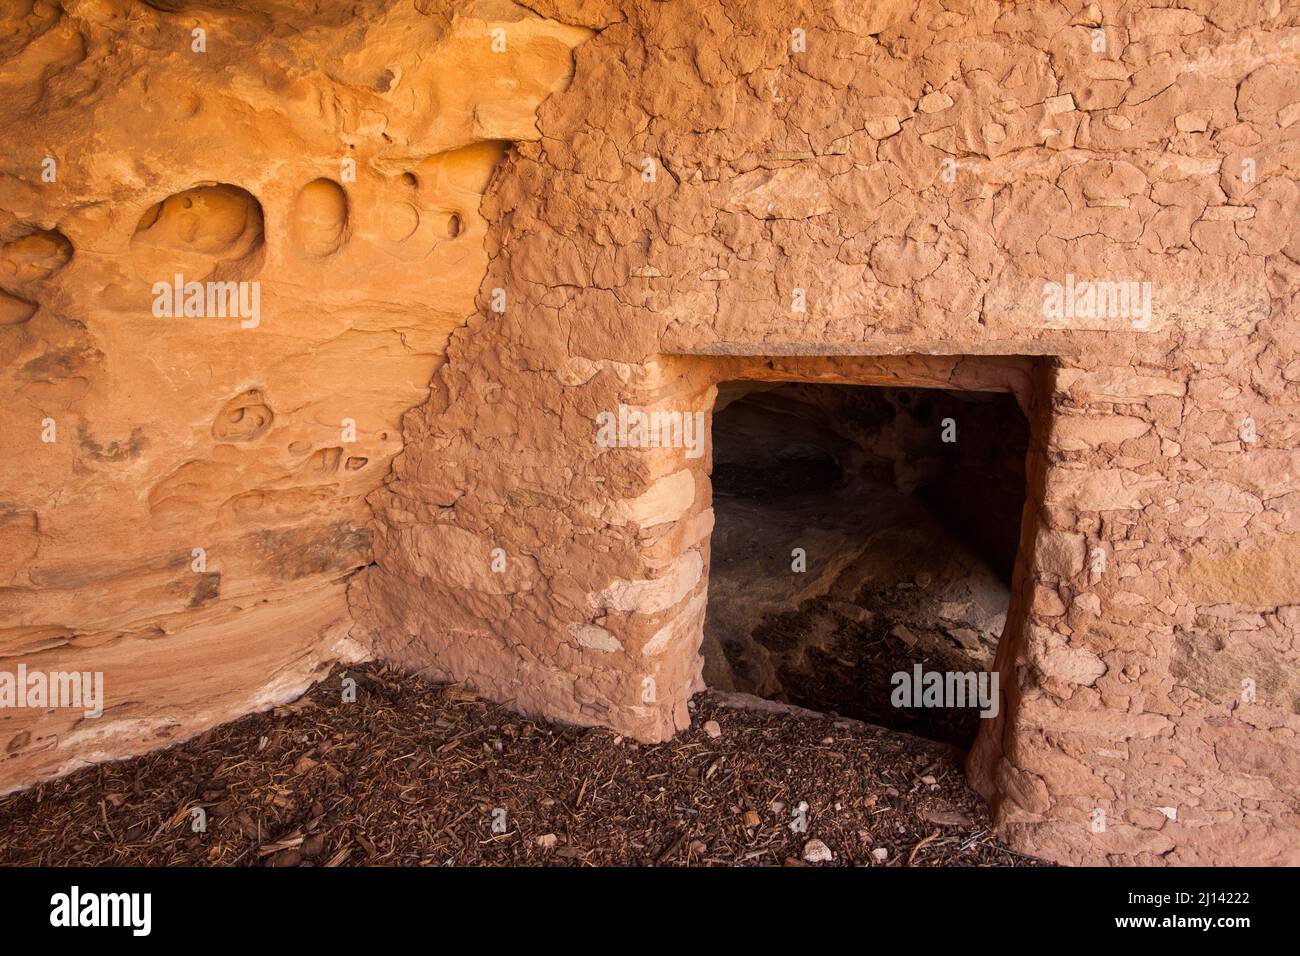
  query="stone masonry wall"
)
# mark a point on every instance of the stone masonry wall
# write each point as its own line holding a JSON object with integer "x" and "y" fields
{"x": 740, "y": 190}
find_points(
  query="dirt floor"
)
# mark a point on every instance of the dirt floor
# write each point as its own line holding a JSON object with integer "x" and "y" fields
{"x": 887, "y": 588}
{"x": 417, "y": 774}
{"x": 850, "y": 670}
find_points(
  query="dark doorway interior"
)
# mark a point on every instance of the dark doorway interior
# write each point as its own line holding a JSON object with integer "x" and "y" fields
{"x": 909, "y": 541}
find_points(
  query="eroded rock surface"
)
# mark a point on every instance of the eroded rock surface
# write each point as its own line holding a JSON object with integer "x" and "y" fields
{"x": 329, "y": 159}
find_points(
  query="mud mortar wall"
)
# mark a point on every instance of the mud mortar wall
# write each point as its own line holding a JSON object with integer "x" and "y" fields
{"x": 711, "y": 198}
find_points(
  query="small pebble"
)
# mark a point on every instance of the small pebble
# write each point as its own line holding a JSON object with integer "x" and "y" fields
{"x": 815, "y": 851}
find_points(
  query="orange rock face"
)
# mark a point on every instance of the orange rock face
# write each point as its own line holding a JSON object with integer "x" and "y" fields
{"x": 1092, "y": 207}
{"x": 184, "y": 479}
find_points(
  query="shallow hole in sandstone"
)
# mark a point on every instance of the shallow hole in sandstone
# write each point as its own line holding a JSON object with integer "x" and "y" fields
{"x": 907, "y": 541}
{"x": 210, "y": 231}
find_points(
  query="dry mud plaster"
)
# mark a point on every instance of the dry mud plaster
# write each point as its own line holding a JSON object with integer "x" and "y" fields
{"x": 910, "y": 175}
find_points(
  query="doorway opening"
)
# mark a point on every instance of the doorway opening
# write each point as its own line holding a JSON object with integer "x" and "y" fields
{"x": 861, "y": 531}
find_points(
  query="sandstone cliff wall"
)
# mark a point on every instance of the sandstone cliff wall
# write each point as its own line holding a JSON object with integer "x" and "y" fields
{"x": 332, "y": 155}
